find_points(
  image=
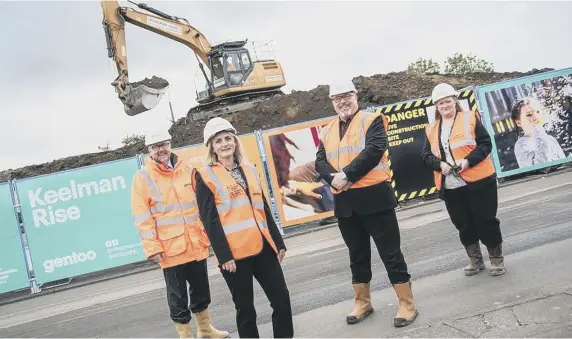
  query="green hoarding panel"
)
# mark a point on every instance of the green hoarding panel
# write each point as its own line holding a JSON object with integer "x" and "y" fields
{"x": 79, "y": 221}
{"x": 13, "y": 270}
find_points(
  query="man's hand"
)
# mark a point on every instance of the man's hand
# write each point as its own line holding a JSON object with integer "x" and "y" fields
{"x": 229, "y": 266}
{"x": 445, "y": 168}
{"x": 338, "y": 182}
{"x": 281, "y": 255}
{"x": 157, "y": 257}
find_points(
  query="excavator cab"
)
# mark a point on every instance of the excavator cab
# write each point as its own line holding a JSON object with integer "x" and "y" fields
{"x": 230, "y": 65}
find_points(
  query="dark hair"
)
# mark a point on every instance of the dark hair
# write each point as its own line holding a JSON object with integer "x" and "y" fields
{"x": 515, "y": 111}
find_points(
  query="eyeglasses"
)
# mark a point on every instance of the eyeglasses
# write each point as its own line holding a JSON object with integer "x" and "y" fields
{"x": 165, "y": 144}
{"x": 338, "y": 98}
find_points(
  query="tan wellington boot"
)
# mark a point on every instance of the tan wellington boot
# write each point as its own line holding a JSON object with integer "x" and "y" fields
{"x": 476, "y": 263}
{"x": 497, "y": 261}
{"x": 184, "y": 330}
{"x": 407, "y": 312}
{"x": 205, "y": 328}
{"x": 362, "y": 304}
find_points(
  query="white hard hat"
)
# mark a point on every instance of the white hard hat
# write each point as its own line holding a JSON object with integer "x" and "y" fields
{"x": 156, "y": 136}
{"x": 343, "y": 86}
{"x": 214, "y": 126}
{"x": 442, "y": 91}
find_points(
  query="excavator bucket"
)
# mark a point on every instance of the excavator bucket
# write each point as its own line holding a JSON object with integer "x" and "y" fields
{"x": 144, "y": 95}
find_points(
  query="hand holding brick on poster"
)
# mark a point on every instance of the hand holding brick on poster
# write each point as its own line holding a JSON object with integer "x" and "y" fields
{"x": 531, "y": 120}
{"x": 301, "y": 194}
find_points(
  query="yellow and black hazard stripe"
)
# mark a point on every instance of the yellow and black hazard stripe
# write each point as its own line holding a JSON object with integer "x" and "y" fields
{"x": 414, "y": 194}
{"x": 410, "y": 195}
{"x": 467, "y": 94}
{"x": 404, "y": 105}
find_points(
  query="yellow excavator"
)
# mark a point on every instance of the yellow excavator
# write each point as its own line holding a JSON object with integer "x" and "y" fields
{"x": 235, "y": 81}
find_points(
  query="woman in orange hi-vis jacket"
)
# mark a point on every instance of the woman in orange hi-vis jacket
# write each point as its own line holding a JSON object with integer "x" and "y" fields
{"x": 457, "y": 149}
{"x": 244, "y": 237}
{"x": 165, "y": 212}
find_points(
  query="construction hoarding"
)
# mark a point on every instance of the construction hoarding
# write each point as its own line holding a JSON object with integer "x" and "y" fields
{"x": 410, "y": 177}
{"x": 530, "y": 119}
{"x": 80, "y": 221}
{"x": 301, "y": 195}
{"x": 13, "y": 269}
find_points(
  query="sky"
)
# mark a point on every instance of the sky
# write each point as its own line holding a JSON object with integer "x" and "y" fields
{"x": 55, "y": 75}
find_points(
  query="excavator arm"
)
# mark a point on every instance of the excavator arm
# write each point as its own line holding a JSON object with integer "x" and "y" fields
{"x": 141, "y": 96}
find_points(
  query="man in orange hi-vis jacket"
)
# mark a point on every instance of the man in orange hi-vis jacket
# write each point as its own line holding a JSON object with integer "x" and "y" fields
{"x": 165, "y": 212}
{"x": 352, "y": 157}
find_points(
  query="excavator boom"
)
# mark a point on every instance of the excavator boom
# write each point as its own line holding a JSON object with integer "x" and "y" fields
{"x": 141, "y": 96}
{"x": 234, "y": 76}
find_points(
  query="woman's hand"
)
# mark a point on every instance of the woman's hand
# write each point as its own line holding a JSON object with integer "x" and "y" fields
{"x": 445, "y": 168}
{"x": 464, "y": 165}
{"x": 281, "y": 255}
{"x": 229, "y": 266}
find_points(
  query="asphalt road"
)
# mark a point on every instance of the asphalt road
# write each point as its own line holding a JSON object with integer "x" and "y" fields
{"x": 321, "y": 277}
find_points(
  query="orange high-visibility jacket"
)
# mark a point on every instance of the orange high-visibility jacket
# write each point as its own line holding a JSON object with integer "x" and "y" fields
{"x": 242, "y": 216}
{"x": 461, "y": 143}
{"x": 165, "y": 211}
{"x": 340, "y": 153}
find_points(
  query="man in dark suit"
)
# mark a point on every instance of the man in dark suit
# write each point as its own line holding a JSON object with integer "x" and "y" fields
{"x": 352, "y": 158}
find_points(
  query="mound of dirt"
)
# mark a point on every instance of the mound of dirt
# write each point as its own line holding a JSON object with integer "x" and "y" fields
{"x": 299, "y": 106}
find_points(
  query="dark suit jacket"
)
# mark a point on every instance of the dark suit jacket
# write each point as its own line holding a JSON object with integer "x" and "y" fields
{"x": 366, "y": 200}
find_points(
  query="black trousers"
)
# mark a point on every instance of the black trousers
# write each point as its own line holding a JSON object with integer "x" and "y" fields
{"x": 176, "y": 278}
{"x": 268, "y": 272}
{"x": 384, "y": 229}
{"x": 473, "y": 212}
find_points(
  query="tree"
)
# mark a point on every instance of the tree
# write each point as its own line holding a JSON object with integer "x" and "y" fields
{"x": 133, "y": 139}
{"x": 424, "y": 66}
{"x": 464, "y": 64}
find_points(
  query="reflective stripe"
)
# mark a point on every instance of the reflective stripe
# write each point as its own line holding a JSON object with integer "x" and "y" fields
{"x": 463, "y": 143}
{"x": 255, "y": 173}
{"x": 259, "y": 205}
{"x": 142, "y": 217}
{"x": 154, "y": 190}
{"x": 147, "y": 234}
{"x": 225, "y": 206}
{"x": 468, "y": 141}
{"x": 263, "y": 224}
{"x": 173, "y": 207}
{"x": 177, "y": 220}
{"x": 239, "y": 226}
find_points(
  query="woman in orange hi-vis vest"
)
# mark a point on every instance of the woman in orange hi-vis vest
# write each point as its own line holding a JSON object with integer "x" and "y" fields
{"x": 165, "y": 212}
{"x": 457, "y": 149}
{"x": 239, "y": 224}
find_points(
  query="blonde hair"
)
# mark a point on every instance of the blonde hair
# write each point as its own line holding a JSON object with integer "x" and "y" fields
{"x": 212, "y": 158}
{"x": 458, "y": 107}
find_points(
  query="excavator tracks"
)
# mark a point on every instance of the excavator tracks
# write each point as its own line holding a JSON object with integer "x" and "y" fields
{"x": 230, "y": 105}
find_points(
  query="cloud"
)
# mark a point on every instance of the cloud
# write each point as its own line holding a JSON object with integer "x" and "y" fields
{"x": 55, "y": 74}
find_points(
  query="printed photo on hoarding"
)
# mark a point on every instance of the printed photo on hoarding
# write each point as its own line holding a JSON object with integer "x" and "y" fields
{"x": 301, "y": 192}
{"x": 532, "y": 121}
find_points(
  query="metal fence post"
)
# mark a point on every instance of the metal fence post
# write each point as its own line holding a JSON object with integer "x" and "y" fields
{"x": 34, "y": 288}
{"x": 267, "y": 177}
